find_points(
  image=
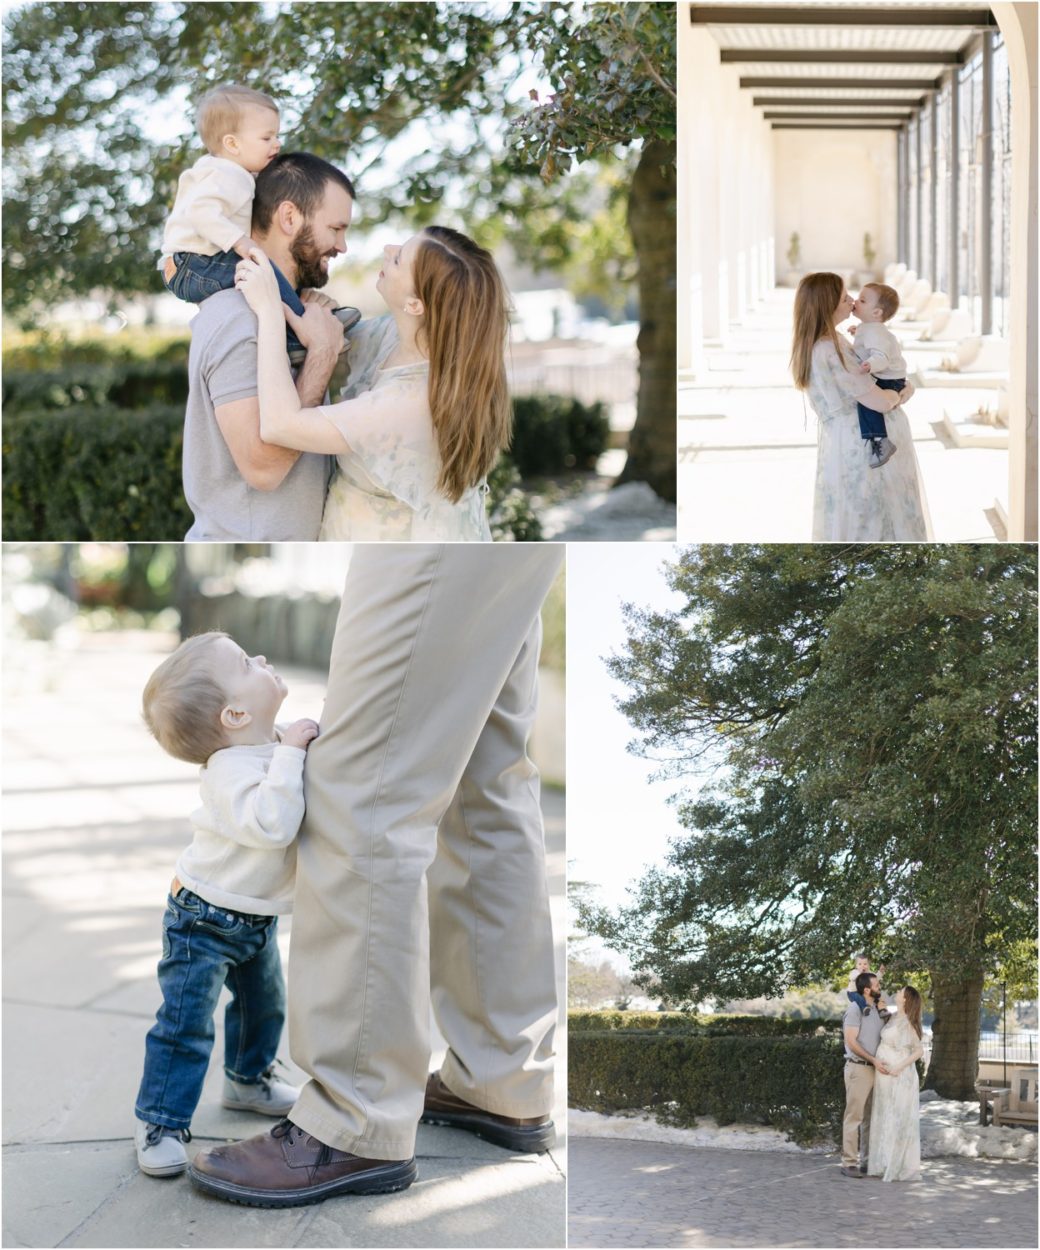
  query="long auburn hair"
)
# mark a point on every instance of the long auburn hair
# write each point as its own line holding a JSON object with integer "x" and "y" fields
{"x": 912, "y": 1006}
{"x": 464, "y": 330}
{"x": 815, "y": 301}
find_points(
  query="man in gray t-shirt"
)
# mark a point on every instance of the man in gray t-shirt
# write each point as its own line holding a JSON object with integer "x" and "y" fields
{"x": 237, "y": 486}
{"x": 861, "y": 1028}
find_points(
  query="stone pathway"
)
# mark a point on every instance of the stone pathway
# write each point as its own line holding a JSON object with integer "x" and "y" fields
{"x": 747, "y": 447}
{"x": 624, "y": 1193}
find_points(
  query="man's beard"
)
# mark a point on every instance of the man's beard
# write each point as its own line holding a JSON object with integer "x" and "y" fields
{"x": 309, "y": 271}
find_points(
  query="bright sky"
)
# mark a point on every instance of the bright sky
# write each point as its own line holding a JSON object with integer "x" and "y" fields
{"x": 618, "y": 822}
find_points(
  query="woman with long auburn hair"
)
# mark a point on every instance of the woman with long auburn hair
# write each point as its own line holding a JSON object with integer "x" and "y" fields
{"x": 426, "y": 410}
{"x": 895, "y": 1120}
{"x": 852, "y": 503}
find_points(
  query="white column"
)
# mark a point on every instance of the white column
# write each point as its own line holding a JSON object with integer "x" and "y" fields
{"x": 1018, "y": 24}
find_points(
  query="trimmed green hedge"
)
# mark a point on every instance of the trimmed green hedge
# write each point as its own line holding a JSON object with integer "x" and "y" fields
{"x": 689, "y": 1022}
{"x": 112, "y": 384}
{"x": 114, "y": 474}
{"x": 794, "y": 1084}
{"x": 110, "y": 474}
{"x": 554, "y": 435}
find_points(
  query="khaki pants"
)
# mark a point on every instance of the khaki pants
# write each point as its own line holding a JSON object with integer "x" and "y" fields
{"x": 423, "y": 820}
{"x": 855, "y": 1129}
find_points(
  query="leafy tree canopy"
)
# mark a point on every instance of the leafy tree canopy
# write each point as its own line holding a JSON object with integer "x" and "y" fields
{"x": 422, "y": 103}
{"x": 869, "y": 714}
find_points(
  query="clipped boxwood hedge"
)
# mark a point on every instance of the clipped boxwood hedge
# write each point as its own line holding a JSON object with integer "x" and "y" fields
{"x": 553, "y": 435}
{"x": 115, "y": 384}
{"x": 114, "y": 474}
{"x": 111, "y": 474}
{"x": 690, "y": 1022}
{"x": 793, "y": 1083}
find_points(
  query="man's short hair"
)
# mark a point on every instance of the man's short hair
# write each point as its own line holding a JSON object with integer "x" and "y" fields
{"x": 220, "y": 112}
{"x": 183, "y": 700}
{"x": 887, "y": 298}
{"x": 863, "y": 980}
{"x": 298, "y": 177}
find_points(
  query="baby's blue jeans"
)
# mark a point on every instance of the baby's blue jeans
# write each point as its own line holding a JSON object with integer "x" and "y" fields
{"x": 204, "y": 949}
{"x": 199, "y": 277}
{"x": 871, "y": 423}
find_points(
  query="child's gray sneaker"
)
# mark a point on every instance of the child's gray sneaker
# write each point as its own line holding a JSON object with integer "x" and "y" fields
{"x": 881, "y": 452}
{"x": 160, "y": 1150}
{"x": 269, "y": 1096}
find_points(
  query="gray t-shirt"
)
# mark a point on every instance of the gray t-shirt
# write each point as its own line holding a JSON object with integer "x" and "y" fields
{"x": 869, "y": 1026}
{"x": 221, "y": 369}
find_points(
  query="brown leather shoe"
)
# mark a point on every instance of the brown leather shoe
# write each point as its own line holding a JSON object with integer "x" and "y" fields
{"x": 288, "y": 1168}
{"x": 531, "y": 1136}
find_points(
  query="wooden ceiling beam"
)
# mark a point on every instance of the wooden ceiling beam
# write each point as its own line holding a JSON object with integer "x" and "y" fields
{"x": 860, "y": 117}
{"x": 907, "y": 17}
{"x": 735, "y": 56}
{"x": 768, "y": 101}
{"x": 907, "y": 84}
{"x": 829, "y": 126}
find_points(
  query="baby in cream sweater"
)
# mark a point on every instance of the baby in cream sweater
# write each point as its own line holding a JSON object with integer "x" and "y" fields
{"x": 211, "y": 704}
{"x": 208, "y": 231}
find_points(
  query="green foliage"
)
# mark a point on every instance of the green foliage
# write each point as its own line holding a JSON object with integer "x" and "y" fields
{"x": 77, "y": 466}
{"x": 792, "y": 1083}
{"x": 556, "y": 435}
{"x": 614, "y": 80}
{"x": 94, "y": 473}
{"x": 871, "y": 712}
{"x": 120, "y": 384}
{"x": 689, "y": 1022}
{"x": 509, "y": 511}
{"x": 357, "y": 84}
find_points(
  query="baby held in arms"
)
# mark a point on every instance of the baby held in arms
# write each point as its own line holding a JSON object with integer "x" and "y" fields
{"x": 879, "y": 353}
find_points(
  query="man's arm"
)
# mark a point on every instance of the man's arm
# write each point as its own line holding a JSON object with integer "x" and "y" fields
{"x": 852, "y": 1042}
{"x": 263, "y": 465}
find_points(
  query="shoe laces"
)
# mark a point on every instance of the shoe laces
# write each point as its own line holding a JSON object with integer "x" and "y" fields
{"x": 268, "y": 1075}
{"x": 286, "y": 1128}
{"x": 156, "y": 1132}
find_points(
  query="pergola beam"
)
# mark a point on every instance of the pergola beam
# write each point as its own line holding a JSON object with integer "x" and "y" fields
{"x": 859, "y": 117}
{"x": 837, "y": 15}
{"x": 782, "y": 101}
{"x": 771, "y": 56}
{"x": 829, "y": 126}
{"x": 909, "y": 84}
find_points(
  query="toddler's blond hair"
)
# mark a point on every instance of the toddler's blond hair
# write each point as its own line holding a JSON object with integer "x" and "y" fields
{"x": 887, "y": 298}
{"x": 183, "y": 699}
{"x": 220, "y": 111}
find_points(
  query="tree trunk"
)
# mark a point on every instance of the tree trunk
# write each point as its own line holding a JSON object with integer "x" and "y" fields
{"x": 954, "y": 1064}
{"x": 651, "y": 219}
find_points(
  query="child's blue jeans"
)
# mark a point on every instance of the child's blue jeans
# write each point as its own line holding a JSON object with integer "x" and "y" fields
{"x": 199, "y": 277}
{"x": 871, "y": 423}
{"x": 857, "y": 998}
{"x": 205, "y": 948}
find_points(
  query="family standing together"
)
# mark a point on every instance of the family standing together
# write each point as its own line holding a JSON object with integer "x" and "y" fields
{"x": 405, "y": 452}
{"x": 881, "y": 1129}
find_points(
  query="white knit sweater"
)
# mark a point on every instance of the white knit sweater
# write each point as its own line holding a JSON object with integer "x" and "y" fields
{"x": 243, "y": 855}
{"x": 213, "y": 208}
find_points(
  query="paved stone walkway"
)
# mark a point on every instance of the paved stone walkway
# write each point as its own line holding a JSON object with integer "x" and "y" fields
{"x": 747, "y": 448}
{"x": 630, "y": 1193}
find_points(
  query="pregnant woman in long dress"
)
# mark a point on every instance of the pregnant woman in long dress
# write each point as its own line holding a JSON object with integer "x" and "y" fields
{"x": 852, "y": 502}
{"x": 426, "y": 411}
{"x": 895, "y": 1119}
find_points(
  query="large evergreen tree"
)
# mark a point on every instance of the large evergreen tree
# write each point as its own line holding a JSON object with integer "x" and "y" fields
{"x": 868, "y": 714}
{"x": 417, "y": 101}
